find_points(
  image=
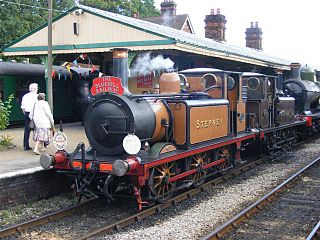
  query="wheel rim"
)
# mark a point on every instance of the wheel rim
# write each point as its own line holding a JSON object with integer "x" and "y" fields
{"x": 159, "y": 183}
{"x": 224, "y": 153}
{"x": 197, "y": 162}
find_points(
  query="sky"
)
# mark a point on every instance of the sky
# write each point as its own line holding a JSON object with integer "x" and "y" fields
{"x": 290, "y": 28}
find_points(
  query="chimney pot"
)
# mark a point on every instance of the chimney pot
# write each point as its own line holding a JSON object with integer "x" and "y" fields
{"x": 136, "y": 15}
{"x": 215, "y": 25}
{"x": 254, "y": 36}
{"x": 168, "y": 7}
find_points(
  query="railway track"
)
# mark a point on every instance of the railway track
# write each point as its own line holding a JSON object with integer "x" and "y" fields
{"x": 297, "y": 206}
{"x": 315, "y": 233}
{"x": 18, "y": 228}
{"x": 172, "y": 202}
{"x": 22, "y": 227}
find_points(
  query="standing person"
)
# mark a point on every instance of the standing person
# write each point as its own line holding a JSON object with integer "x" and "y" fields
{"x": 27, "y": 104}
{"x": 43, "y": 121}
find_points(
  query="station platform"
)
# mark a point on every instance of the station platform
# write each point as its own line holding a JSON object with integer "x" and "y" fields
{"x": 17, "y": 161}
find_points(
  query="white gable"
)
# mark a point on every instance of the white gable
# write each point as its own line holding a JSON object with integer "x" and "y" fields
{"x": 93, "y": 30}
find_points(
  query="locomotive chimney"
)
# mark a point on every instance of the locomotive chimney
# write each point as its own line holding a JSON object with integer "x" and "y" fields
{"x": 279, "y": 72}
{"x": 120, "y": 65}
{"x": 295, "y": 70}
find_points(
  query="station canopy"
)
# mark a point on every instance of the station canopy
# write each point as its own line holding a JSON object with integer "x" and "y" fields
{"x": 85, "y": 29}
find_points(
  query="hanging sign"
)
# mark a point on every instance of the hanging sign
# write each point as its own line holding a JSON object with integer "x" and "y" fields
{"x": 107, "y": 84}
{"x": 144, "y": 81}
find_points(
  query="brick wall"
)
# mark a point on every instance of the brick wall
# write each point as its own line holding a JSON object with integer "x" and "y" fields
{"x": 31, "y": 187}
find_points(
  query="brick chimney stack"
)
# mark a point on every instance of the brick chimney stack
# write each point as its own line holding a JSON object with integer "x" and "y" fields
{"x": 254, "y": 36}
{"x": 168, "y": 7}
{"x": 215, "y": 26}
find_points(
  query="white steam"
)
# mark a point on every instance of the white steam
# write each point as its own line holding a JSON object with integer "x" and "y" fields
{"x": 145, "y": 65}
{"x": 166, "y": 18}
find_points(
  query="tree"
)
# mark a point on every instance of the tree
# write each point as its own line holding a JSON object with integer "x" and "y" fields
{"x": 145, "y": 8}
{"x": 21, "y": 16}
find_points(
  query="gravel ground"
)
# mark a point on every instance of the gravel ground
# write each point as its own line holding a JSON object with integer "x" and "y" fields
{"x": 80, "y": 223}
{"x": 190, "y": 219}
{"x": 23, "y": 212}
{"x": 292, "y": 215}
{"x": 193, "y": 219}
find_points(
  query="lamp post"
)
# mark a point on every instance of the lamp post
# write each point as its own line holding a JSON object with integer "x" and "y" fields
{"x": 49, "y": 79}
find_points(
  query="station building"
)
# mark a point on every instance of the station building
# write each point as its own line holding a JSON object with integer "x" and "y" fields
{"x": 94, "y": 33}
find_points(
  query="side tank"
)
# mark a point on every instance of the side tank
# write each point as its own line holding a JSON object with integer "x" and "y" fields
{"x": 284, "y": 110}
{"x": 306, "y": 94}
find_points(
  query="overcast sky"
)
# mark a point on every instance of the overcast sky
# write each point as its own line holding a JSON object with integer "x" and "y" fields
{"x": 290, "y": 30}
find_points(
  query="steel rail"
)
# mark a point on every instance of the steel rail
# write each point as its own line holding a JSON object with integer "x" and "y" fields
{"x": 315, "y": 233}
{"x": 171, "y": 202}
{"x": 18, "y": 228}
{"x": 247, "y": 212}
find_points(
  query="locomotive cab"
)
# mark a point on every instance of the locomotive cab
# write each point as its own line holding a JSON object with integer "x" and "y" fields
{"x": 221, "y": 85}
{"x": 266, "y": 108}
{"x": 260, "y": 100}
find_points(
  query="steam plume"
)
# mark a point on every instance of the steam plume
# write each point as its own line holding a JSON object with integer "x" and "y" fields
{"x": 145, "y": 65}
{"x": 166, "y": 18}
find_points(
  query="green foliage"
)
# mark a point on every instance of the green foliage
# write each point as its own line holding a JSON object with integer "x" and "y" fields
{"x": 6, "y": 142}
{"x": 8, "y": 215}
{"x": 145, "y": 8}
{"x": 26, "y": 15}
{"x": 5, "y": 112}
{"x": 17, "y": 20}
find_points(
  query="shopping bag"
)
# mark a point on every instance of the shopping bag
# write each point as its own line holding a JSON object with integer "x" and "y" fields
{"x": 31, "y": 125}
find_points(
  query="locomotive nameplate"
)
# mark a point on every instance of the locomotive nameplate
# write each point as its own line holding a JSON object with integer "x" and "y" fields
{"x": 107, "y": 84}
{"x": 208, "y": 122}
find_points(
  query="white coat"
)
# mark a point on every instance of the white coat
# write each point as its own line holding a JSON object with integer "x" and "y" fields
{"x": 41, "y": 115}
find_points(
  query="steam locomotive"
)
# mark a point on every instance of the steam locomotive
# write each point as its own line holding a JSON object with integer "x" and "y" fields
{"x": 153, "y": 145}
